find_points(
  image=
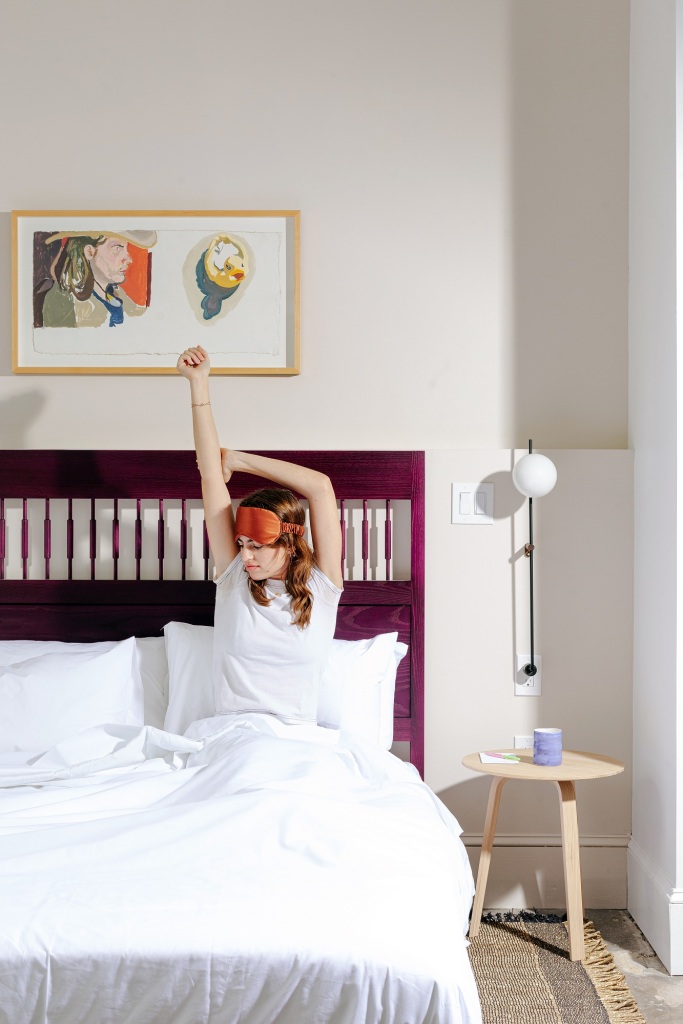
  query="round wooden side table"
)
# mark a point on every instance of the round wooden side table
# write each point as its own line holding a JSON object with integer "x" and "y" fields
{"x": 576, "y": 766}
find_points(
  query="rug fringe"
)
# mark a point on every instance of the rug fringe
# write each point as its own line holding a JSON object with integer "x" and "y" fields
{"x": 608, "y": 980}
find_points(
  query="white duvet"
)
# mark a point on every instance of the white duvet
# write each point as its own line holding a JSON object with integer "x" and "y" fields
{"x": 249, "y": 871}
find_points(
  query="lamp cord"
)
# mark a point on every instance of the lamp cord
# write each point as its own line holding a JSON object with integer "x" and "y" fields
{"x": 530, "y": 669}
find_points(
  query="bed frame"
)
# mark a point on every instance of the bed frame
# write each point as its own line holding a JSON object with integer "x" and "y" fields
{"x": 102, "y": 609}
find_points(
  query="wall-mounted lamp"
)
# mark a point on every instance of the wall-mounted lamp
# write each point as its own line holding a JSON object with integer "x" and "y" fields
{"x": 534, "y": 476}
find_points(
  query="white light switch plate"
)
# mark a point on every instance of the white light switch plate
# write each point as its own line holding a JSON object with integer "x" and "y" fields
{"x": 472, "y": 504}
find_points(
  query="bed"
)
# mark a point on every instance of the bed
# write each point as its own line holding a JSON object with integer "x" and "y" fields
{"x": 160, "y": 864}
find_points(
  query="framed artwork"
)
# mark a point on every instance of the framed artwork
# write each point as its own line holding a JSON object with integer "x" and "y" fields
{"x": 127, "y": 291}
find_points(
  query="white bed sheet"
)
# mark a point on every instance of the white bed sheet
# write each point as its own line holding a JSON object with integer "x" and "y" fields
{"x": 250, "y": 872}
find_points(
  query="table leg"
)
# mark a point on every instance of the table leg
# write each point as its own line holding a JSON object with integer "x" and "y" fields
{"x": 485, "y": 857}
{"x": 572, "y": 869}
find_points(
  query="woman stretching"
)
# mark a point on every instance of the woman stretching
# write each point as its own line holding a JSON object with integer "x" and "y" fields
{"x": 276, "y": 599}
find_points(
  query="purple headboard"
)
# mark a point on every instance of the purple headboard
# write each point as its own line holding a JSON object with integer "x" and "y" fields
{"x": 90, "y": 609}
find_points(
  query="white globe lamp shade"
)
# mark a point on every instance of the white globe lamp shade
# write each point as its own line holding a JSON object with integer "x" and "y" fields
{"x": 534, "y": 476}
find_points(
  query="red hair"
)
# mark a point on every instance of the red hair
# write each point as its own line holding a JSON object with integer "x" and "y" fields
{"x": 300, "y": 557}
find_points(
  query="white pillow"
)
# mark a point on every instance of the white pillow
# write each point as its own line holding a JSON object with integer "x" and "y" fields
{"x": 357, "y": 687}
{"x": 14, "y": 651}
{"x": 152, "y": 663}
{"x": 189, "y": 651}
{"x": 52, "y": 696}
{"x": 151, "y": 651}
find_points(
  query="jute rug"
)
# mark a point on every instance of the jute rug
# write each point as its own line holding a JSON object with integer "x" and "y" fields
{"x": 524, "y": 974}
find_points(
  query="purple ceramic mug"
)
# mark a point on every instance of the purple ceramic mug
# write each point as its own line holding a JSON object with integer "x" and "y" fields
{"x": 548, "y": 746}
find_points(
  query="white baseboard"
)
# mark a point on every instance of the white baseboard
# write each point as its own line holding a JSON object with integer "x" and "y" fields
{"x": 528, "y": 871}
{"x": 540, "y": 839}
{"x": 656, "y": 907}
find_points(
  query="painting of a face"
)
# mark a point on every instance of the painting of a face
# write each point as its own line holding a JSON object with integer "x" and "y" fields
{"x": 109, "y": 261}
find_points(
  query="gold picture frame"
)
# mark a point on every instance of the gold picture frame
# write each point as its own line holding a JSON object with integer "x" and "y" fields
{"x": 164, "y": 280}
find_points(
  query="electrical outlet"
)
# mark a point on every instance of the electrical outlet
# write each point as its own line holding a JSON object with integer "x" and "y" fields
{"x": 524, "y": 742}
{"x": 527, "y": 686}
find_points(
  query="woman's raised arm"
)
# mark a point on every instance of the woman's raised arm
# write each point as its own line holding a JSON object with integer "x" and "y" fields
{"x": 194, "y": 364}
{"x": 314, "y": 486}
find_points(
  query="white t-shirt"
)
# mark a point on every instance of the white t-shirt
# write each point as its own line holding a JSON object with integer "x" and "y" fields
{"x": 261, "y": 662}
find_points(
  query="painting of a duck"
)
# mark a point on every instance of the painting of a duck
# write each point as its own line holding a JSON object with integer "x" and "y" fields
{"x": 221, "y": 269}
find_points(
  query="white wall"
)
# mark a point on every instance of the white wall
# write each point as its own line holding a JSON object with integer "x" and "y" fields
{"x": 462, "y": 174}
{"x": 656, "y": 853}
{"x": 477, "y": 615}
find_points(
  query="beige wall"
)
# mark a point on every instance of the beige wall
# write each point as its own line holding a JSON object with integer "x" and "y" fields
{"x": 461, "y": 168}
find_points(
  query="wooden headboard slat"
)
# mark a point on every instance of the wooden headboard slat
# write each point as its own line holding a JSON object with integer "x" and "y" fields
{"x": 173, "y": 474}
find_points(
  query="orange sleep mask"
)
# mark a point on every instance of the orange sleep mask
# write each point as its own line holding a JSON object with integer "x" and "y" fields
{"x": 262, "y": 525}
